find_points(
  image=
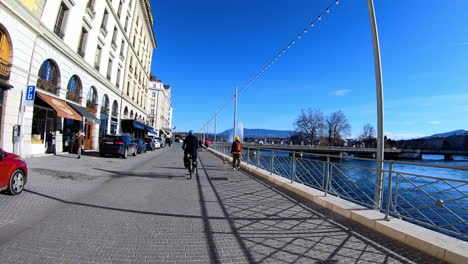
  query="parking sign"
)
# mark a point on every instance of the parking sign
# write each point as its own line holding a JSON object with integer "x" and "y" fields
{"x": 30, "y": 92}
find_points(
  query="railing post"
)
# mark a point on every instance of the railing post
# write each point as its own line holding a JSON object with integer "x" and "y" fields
{"x": 248, "y": 155}
{"x": 258, "y": 158}
{"x": 389, "y": 191}
{"x": 272, "y": 162}
{"x": 327, "y": 176}
{"x": 293, "y": 167}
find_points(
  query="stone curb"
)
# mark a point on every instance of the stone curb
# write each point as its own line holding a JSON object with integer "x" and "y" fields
{"x": 446, "y": 248}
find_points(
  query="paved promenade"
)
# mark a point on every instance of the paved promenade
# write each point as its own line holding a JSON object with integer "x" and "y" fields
{"x": 143, "y": 210}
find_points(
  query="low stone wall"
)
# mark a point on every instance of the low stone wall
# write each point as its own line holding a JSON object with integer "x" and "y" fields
{"x": 441, "y": 246}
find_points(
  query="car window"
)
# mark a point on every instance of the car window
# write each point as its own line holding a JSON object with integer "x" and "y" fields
{"x": 110, "y": 138}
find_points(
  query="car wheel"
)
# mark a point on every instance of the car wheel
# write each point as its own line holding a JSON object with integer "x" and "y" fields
{"x": 124, "y": 156}
{"x": 16, "y": 184}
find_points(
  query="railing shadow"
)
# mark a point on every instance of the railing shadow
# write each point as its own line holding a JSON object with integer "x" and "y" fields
{"x": 270, "y": 225}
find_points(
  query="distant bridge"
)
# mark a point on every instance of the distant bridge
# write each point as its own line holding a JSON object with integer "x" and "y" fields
{"x": 393, "y": 154}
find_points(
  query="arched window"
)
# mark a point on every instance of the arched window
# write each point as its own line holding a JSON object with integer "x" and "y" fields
{"x": 105, "y": 104}
{"x": 91, "y": 99}
{"x": 49, "y": 77}
{"x": 74, "y": 89}
{"x": 131, "y": 114}
{"x": 115, "y": 109}
{"x": 126, "y": 111}
{"x": 5, "y": 49}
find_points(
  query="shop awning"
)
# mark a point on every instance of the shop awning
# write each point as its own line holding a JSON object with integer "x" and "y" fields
{"x": 85, "y": 113}
{"x": 62, "y": 108}
{"x": 166, "y": 133}
{"x": 128, "y": 125}
{"x": 151, "y": 130}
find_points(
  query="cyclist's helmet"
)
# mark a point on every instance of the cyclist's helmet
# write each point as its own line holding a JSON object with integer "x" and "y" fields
{"x": 191, "y": 132}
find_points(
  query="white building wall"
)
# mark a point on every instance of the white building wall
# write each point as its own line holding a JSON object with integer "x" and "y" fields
{"x": 22, "y": 36}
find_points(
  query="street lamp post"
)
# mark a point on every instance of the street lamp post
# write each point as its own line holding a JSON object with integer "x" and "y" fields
{"x": 235, "y": 115}
{"x": 216, "y": 117}
{"x": 380, "y": 106}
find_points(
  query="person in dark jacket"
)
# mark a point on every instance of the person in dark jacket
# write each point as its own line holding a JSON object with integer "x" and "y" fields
{"x": 190, "y": 146}
{"x": 49, "y": 140}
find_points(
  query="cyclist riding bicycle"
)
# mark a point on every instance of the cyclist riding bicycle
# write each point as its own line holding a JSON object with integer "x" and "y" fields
{"x": 190, "y": 147}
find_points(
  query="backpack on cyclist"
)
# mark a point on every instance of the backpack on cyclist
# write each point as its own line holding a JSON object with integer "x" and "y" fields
{"x": 237, "y": 148}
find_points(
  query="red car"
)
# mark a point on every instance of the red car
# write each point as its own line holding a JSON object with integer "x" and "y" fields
{"x": 13, "y": 173}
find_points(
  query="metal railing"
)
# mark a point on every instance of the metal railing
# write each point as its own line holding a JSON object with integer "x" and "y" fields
{"x": 437, "y": 203}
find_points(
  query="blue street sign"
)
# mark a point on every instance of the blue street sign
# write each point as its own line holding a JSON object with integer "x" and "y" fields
{"x": 30, "y": 91}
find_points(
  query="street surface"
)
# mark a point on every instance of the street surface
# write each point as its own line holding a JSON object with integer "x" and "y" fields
{"x": 144, "y": 210}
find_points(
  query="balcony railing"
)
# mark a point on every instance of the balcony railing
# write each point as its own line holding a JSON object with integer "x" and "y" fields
{"x": 75, "y": 97}
{"x": 436, "y": 203}
{"x": 91, "y": 104}
{"x": 5, "y": 69}
{"x": 47, "y": 86}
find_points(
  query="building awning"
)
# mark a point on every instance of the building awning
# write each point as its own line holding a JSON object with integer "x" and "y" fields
{"x": 151, "y": 130}
{"x": 5, "y": 86}
{"x": 139, "y": 126}
{"x": 166, "y": 133}
{"x": 62, "y": 108}
{"x": 129, "y": 125}
{"x": 85, "y": 113}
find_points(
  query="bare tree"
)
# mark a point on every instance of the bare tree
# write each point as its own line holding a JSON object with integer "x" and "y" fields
{"x": 368, "y": 135}
{"x": 309, "y": 123}
{"x": 337, "y": 126}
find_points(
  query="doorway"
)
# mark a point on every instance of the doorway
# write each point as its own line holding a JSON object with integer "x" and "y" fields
{"x": 88, "y": 141}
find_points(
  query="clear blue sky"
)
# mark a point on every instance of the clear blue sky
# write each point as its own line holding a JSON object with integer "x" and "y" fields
{"x": 208, "y": 47}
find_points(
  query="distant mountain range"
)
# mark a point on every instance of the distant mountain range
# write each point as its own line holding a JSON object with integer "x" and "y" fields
{"x": 447, "y": 134}
{"x": 261, "y": 133}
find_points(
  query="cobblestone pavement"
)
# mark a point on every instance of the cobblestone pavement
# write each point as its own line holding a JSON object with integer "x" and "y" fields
{"x": 143, "y": 210}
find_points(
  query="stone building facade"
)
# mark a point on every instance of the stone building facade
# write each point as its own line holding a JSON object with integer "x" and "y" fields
{"x": 75, "y": 54}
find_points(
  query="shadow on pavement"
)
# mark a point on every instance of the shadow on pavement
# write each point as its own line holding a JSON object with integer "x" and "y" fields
{"x": 151, "y": 175}
{"x": 289, "y": 229}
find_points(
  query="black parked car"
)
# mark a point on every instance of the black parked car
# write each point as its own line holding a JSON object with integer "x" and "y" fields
{"x": 150, "y": 144}
{"x": 121, "y": 145}
{"x": 141, "y": 146}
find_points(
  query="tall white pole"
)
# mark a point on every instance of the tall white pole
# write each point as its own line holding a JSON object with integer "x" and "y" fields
{"x": 235, "y": 115}
{"x": 216, "y": 117}
{"x": 380, "y": 106}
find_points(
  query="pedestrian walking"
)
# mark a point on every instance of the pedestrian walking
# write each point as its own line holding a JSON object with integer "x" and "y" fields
{"x": 236, "y": 151}
{"x": 49, "y": 142}
{"x": 79, "y": 142}
{"x": 207, "y": 143}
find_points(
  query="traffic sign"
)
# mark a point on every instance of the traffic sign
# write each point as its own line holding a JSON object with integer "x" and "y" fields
{"x": 30, "y": 92}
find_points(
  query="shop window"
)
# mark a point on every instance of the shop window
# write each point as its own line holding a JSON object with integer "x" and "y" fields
{"x": 43, "y": 121}
{"x": 91, "y": 101}
{"x": 74, "y": 89}
{"x": 49, "y": 77}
